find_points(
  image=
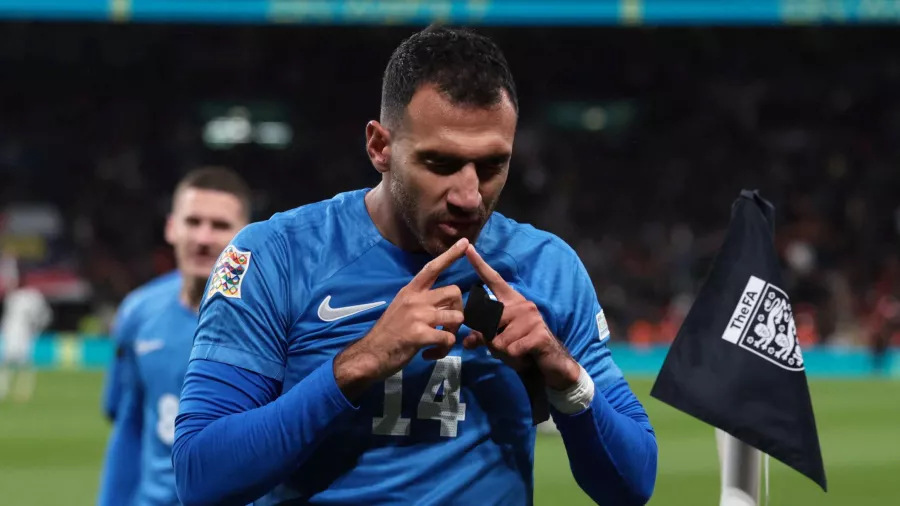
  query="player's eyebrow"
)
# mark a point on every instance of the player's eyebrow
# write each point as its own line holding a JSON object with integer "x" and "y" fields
{"x": 447, "y": 158}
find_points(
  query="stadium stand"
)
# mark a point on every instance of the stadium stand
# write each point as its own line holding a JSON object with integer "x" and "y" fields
{"x": 637, "y": 176}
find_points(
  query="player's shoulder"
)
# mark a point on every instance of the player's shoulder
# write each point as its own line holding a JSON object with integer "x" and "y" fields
{"x": 546, "y": 267}
{"x": 27, "y": 294}
{"x": 311, "y": 224}
{"x": 527, "y": 244}
{"x": 317, "y": 238}
{"x": 151, "y": 290}
{"x": 34, "y": 296}
{"x": 148, "y": 298}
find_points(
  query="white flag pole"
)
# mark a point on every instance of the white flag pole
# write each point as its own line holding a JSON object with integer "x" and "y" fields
{"x": 739, "y": 465}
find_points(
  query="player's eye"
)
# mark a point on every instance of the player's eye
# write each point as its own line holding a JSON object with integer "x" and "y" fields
{"x": 221, "y": 225}
{"x": 192, "y": 221}
{"x": 492, "y": 166}
{"x": 444, "y": 166}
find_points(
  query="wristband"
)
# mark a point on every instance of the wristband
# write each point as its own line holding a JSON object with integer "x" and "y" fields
{"x": 576, "y": 398}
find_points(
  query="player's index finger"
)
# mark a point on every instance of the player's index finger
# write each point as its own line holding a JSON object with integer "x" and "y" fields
{"x": 492, "y": 278}
{"x": 428, "y": 275}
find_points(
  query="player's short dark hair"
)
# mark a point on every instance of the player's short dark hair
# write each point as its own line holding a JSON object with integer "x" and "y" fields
{"x": 218, "y": 179}
{"x": 466, "y": 67}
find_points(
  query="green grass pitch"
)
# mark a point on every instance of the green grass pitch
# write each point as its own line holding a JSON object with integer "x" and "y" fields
{"x": 51, "y": 449}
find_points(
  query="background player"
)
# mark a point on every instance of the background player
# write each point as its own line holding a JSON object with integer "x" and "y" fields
{"x": 307, "y": 384}
{"x": 25, "y": 315}
{"x": 154, "y": 332}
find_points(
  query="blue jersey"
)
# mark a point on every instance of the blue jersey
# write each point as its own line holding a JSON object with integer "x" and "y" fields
{"x": 122, "y": 330}
{"x": 154, "y": 337}
{"x": 292, "y": 292}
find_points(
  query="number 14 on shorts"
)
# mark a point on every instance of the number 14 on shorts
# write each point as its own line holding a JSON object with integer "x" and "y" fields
{"x": 446, "y": 378}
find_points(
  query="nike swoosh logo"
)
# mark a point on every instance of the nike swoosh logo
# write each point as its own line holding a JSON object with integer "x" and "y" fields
{"x": 330, "y": 314}
{"x": 144, "y": 347}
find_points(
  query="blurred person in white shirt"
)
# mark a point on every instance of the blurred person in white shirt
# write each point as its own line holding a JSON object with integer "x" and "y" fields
{"x": 25, "y": 315}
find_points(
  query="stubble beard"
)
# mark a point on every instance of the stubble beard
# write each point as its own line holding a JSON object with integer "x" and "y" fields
{"x": 405, "y": 204}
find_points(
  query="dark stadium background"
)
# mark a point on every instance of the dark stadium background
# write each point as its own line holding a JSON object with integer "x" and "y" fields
{"x": 632, "y": 144}
{"x": 99, "y": 121}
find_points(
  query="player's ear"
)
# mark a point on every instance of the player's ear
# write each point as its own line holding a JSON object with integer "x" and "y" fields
{"x": 378, "y": 146}
{"x": 170, "y": 230}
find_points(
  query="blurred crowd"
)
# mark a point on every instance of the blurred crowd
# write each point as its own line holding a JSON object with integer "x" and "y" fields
{"x": 633, "y": 143}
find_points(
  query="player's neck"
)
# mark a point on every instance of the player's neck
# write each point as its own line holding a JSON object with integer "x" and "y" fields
{"x": 388, "y": 220}
{"x": 192, "y": 292}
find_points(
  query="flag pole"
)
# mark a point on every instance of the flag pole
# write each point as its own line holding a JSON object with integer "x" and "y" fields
{"x": 739, "y": 464}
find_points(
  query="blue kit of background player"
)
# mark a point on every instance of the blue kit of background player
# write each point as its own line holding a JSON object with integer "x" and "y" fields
{"x": 154, "y": 332}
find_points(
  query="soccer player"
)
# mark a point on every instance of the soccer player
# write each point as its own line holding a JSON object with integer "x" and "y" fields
{"x": 25, "y": 315}
{"x": 331, "y": 364}
{"x": 154, "y": 331}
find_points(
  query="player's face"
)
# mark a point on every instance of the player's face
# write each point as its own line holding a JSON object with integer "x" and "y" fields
{"x": 448, "y": 165}
{"x": 201, "y": 225}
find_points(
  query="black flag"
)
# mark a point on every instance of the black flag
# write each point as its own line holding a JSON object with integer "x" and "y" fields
{"x": 736, "y": 363}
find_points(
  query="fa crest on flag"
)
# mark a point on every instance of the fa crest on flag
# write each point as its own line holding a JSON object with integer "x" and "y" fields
{"x": 763, "y": 323}
{"x": 228, "y": 274}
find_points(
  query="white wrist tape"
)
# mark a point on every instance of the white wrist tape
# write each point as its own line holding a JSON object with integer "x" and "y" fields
{"x": 575, "y": 399}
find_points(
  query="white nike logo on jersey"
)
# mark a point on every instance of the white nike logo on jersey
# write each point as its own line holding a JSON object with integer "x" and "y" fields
{"x": 330, "y": 314}
{"x": 144, "y": 347}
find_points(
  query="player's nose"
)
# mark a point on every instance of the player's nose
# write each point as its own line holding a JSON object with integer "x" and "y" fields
{"x": 465, "y": 191}
{"x": 205, "y": 235}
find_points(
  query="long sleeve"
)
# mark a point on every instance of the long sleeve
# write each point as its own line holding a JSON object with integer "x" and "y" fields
{"x": 611, "y": 444}
{"x": 122, "y": 467}
{"x": 120, "y": 366}
{"x": 611, "y": 447}
{"x": 235, "y": 438}
{"x": 238, "y": 435}
{"x": 112, "y": 385}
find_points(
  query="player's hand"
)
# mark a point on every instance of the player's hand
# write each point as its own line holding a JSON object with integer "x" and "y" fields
{"x": 525, "y": 337}
{"x": 408, "y": 325}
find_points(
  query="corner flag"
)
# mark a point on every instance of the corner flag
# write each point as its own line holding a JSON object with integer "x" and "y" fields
{"x": 736, "y": 362}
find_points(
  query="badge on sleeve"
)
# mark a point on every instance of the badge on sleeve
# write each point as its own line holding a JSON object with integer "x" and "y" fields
{"x": 228, "y": 274}
{"x": 602, "y": 325}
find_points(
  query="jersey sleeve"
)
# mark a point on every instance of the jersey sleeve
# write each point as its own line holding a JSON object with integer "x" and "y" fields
{"x": 583, "y": 328}
{"x": 245, "y": 314}
{"x": 121, "y": 469}
{"x": 611, "y": 445}
{"x": 122, "y": 336}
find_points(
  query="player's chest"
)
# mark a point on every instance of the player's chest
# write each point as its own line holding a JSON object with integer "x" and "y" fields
{"x": 466, "y": 395}
{"x": 345, "y": 310}
{"x": 161, "y": 357}
{"x": 467, "y": 391}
